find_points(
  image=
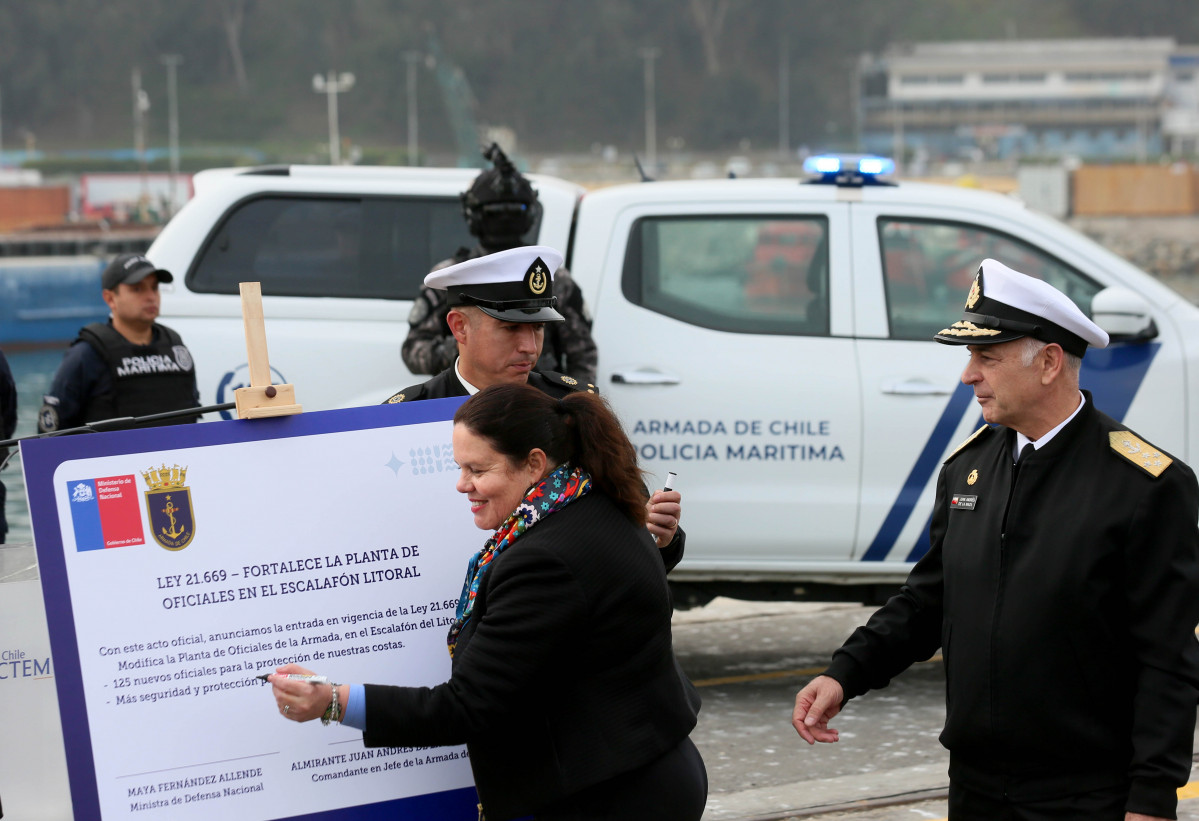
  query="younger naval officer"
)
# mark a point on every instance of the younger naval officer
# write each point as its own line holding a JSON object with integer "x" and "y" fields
{"x": 1062, "y": 585}
{"x": 499, "y": 306}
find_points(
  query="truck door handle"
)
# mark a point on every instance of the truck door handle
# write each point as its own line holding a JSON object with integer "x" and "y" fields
{"x": 644, "y": 377}
{"x": 915, "y": 387}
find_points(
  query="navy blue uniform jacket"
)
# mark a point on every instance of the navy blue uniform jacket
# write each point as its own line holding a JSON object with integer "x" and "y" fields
{"x": 447, "y": 384}
{"x": 1068, "y": 632}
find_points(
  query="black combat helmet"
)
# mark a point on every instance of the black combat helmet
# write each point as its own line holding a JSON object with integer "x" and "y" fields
{"x": 500, "y": 206}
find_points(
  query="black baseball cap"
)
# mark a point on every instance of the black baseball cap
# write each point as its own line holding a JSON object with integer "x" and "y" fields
{"x": 131, "y": 269}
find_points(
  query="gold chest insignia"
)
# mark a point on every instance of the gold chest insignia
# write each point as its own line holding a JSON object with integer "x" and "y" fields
{"x": 973, "y": 477}
{"x": 1139, "y": 452}
{"x": 974, "y": 295}
{"x": 399, "y": 397}
{"x": 569, "y": 380}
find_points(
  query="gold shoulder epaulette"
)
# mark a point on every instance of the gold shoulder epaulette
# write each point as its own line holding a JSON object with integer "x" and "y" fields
{"x": 969, "y": 439}
{"x": 395, "y": 397}
{"x": 1139, "y": 452}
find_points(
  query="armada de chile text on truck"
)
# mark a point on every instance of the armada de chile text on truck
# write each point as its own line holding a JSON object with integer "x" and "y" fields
{"x": 768, "y": 340}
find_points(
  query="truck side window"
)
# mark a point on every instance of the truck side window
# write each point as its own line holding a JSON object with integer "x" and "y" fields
{"x": 373, "y": 248}
{"x": 928, "y": 266}
{"x": 754, "y": 275}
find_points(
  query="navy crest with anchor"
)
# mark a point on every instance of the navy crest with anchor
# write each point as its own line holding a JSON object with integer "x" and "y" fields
{"x": 169, "y": 507}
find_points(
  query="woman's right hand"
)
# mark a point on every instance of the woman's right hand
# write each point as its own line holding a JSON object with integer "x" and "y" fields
{"x": 663, "y": 511}
{"x": 299, "y": 700}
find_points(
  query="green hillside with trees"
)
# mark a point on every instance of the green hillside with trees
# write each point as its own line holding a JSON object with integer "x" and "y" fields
{"x": 564, "y": 75}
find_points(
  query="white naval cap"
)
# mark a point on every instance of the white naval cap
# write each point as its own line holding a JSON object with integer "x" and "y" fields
{"x": 1004, "y": 305}
{"x": 516, "y": 285}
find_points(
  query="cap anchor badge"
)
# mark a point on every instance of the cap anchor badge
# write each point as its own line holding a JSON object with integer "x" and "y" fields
{"x": 536, "y": 277}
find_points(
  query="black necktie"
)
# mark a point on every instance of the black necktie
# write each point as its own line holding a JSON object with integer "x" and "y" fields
{"x": 1020, "y": 460}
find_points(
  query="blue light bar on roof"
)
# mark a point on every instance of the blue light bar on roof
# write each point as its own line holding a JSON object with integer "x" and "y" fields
{"x": 823, "y": 164}
{"x": 876, "y": 166}
{"x": 848, "y": 169}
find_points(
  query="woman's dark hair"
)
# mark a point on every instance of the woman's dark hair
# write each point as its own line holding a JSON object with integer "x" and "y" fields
{"x": 579, "y": 428}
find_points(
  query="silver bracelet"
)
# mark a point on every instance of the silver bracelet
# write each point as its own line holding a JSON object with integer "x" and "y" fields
{"x": 333, "y": 711}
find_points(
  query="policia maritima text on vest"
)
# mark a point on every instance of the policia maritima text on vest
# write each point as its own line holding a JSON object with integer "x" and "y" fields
{"x": 499, "y": 305}
{"x": 128, "y": 366}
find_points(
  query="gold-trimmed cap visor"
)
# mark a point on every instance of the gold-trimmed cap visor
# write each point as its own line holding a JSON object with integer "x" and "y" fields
{"x": 1004, "y": 305}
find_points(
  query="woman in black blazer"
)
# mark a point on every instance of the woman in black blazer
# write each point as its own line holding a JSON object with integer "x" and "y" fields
{"x": 564, "y": 684}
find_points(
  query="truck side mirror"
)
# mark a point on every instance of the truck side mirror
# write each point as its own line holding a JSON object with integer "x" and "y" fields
{"x": 1124, "y": 314}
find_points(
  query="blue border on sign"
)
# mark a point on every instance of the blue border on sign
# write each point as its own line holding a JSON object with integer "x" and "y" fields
{"x": 40, "y": 458}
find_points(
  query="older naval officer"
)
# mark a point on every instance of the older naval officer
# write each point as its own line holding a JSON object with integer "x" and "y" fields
{"x": 499, "y": 306}
{"x": 1062, "y": 585}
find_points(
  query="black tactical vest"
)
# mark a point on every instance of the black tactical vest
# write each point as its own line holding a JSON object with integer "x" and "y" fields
{"x": 146, "y": 379}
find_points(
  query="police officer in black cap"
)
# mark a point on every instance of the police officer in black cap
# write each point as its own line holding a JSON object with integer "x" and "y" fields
{"x": 500, "y": 208}
{"x": 1062, "y": 586}
{"x": 499, "y": 308}
{"x": 127, "y": 366}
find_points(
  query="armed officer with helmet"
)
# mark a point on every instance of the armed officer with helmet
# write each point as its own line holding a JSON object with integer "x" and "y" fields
{"x": 500, "y": 207}
{"x": 128, "y": 366}
{"x": 498, "y": 307}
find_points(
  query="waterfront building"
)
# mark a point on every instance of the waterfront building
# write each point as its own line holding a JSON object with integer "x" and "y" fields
{"x": 1096, "y": 99}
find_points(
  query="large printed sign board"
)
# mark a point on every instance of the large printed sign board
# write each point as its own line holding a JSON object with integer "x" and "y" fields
{"x": 179, "y": 563}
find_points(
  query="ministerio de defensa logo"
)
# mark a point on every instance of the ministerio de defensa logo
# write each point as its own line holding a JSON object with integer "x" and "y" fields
{"x": 105, "y": 512}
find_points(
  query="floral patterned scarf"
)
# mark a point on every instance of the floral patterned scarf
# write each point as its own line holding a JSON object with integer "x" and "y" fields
{"x": 561, "y": 487}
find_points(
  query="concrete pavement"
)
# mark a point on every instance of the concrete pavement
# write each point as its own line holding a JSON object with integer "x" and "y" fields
{"x": 749, "y": 659}
{"x": 825, "y": 795}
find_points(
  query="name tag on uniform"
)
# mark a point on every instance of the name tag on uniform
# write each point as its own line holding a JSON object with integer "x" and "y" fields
{"x": 962, "y": 502}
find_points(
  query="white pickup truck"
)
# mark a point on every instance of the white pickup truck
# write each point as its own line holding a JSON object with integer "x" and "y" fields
{"x": 768, "y": 340}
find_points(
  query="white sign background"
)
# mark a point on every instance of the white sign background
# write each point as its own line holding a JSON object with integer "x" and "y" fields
{"x": 335, "y": 539}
